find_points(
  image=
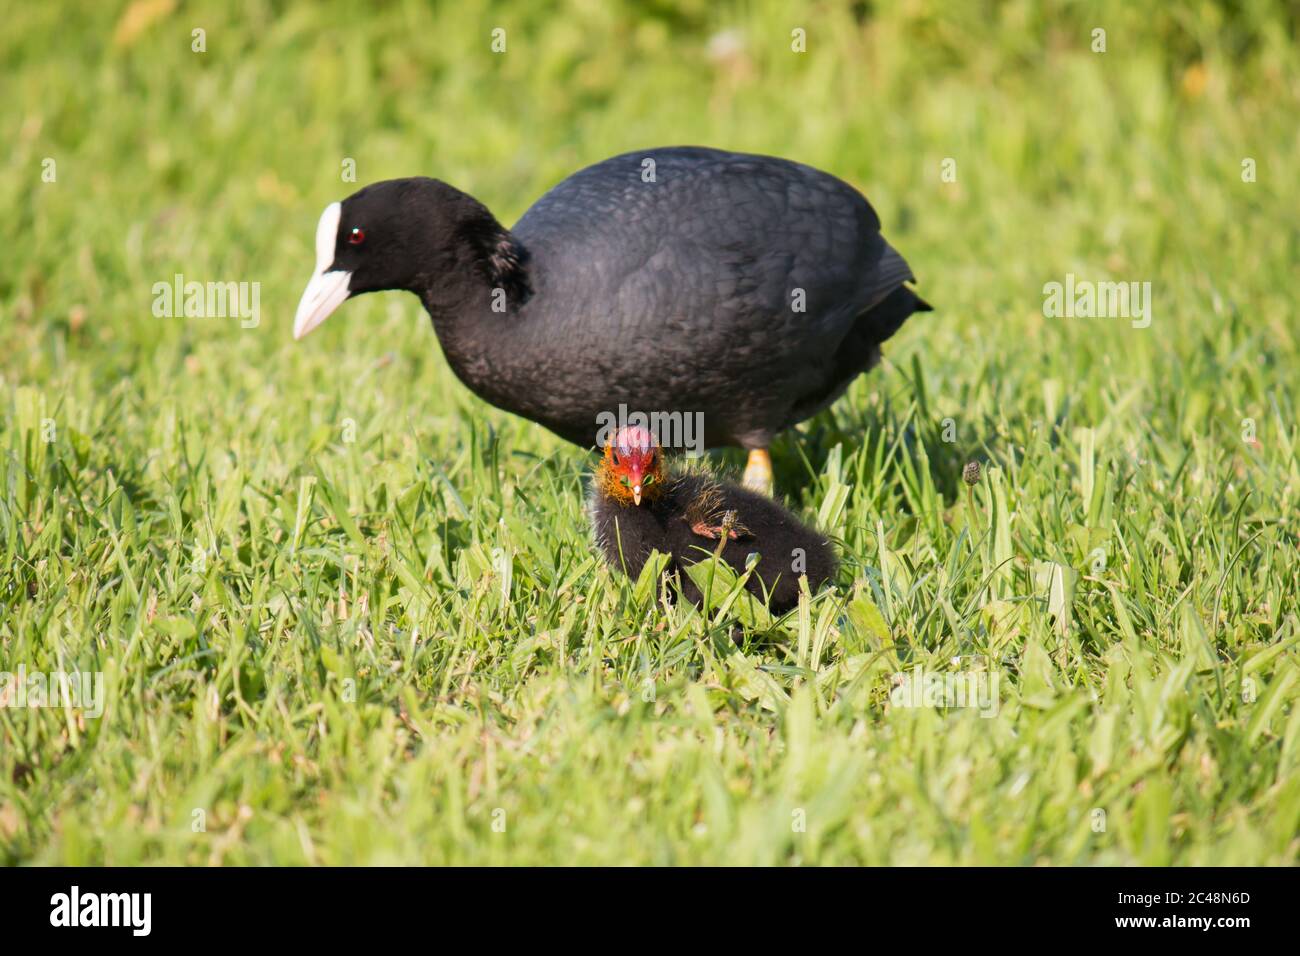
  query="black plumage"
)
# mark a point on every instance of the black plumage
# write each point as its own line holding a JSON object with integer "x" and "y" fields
{"x": 751, "y": 524}
{"x": 747, "y": 288}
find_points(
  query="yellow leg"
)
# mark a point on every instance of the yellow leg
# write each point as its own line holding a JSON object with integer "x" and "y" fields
{"x": 758, "y": 472}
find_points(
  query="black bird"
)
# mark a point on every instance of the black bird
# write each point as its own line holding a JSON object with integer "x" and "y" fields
{"x": 678, "y": 280}
{"x": 637, "y": 507}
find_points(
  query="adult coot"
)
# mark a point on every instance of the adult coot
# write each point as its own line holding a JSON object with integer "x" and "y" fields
{"x": 637, "y": 507}
{"x": 747, "y": 289}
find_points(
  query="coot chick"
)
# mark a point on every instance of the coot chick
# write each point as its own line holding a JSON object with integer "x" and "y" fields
{"x": 637, "y": 507}
{"x": 749, "y": 289}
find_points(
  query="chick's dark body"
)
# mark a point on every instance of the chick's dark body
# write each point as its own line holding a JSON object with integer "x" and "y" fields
{"x": 747, "y": 288}
{"x": 628, "y": 533}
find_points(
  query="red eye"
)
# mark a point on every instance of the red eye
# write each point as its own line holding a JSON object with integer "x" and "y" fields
{"x": 356, "y": 237}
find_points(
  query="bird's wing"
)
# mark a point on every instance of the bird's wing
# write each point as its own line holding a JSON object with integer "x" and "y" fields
{"x": 703, "y": 503}
{"x": 752, "y": 242}
{"x": 707, "y": 517}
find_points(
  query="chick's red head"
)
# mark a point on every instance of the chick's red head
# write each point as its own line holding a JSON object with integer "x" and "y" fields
{"x": 633, "y": 468}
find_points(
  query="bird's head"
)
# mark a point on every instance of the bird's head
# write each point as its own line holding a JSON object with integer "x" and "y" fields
{"x": 418, "y": 235}
{"x": 632, "y": 469}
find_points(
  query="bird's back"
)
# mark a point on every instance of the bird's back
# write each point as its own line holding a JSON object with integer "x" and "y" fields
{"x": 683, "y": 279}
{"x": 786, "y": 547}
{"x": 665, "y": 228}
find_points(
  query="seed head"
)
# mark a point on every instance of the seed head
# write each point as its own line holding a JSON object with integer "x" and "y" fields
{"x": 971, "y": 473}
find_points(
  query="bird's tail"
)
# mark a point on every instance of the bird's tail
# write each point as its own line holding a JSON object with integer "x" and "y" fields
{"x": 891, "y": 272}
{"x": 887, "y": 317}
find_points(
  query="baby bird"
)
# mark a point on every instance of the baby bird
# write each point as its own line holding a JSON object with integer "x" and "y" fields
{"x": 637, "y": 507}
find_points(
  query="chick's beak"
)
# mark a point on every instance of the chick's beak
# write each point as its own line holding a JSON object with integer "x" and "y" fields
{"x": 327, "y": 290}
{"x": 636, "y": 479}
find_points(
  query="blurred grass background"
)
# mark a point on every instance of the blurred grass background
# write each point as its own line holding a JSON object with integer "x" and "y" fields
{"x": 371, "y": 650}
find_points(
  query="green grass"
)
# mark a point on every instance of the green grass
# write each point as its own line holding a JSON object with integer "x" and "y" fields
{"x": 402, "y": 648}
